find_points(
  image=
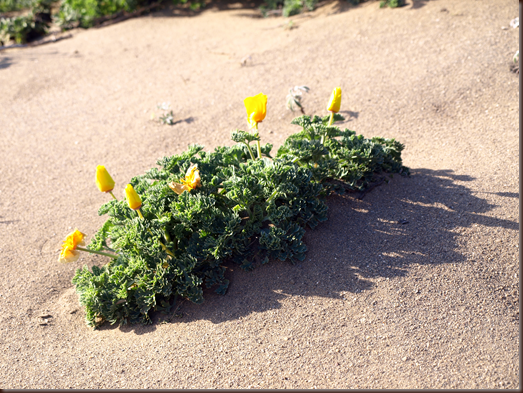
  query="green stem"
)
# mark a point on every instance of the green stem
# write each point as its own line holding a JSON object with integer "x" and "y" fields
{"x": 250, "y": 151}
{"x": 331, "y": 120}
{"x": 110, "y": 192}
{"x": 163, "y": 245}
{"x": 272, "y": 195}
{"x": 167, "y": 237}
{"x": 166, "y": 249}
{"x": 97, "y": 252}
{"x": 258, "y": 143}
{"x": 297, "y": 160}
{"x": 259, "y": 149}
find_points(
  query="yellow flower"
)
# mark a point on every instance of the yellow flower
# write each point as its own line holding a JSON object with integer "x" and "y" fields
{"x": 335, "y": 101}
{"x": 192, "y": 177}
{"x": 256, "y": 109}
{"x": 191, "y": 181}
{"x": 133, "y": 199}
{"x": 104, "y": 181}
{"x": 69, "y": 252}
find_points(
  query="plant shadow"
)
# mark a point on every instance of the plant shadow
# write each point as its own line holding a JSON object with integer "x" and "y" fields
{"x": 5, "y": 62}
{"x": 187, "y": 120}
{"x": 349, "y": 116}
{"x": 417, "y": 4}
{"x": 407, "y": 222}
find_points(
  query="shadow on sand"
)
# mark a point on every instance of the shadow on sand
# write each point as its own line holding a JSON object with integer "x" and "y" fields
{"x": 339, "y": 6}
{"x": 5, "y": 62}
{"x": 407, "y": 222}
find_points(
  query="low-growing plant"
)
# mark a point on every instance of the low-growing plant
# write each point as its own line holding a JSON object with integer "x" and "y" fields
{"x": 167, "y": 115}
{"x": 295, "y": 96}
{"x": 181, "y": 221}
{"x": 288, "y": 7}
{"x": 83, "y": 13}
{"x": 86, "y": 13}
{"x": 392, "y": 3}
{"x": 22, "y": 29}
{"x": 14, "y": 5}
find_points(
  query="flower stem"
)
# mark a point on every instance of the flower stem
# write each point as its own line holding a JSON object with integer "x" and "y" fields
{"x": 166, "y": 249}
{"x": 331, "y": 119}
{"x": 258, "y": 143}
{"x": 250, "y": 151}
{"x": 259, "y": 149}
{"x": 272, "y": 195}
{"x": 166, "y": 235}
{"x": 97, "y": 252}
{"x": 110, "y": 192}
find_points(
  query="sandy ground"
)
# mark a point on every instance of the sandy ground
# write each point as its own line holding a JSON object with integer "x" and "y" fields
{"x": 430, "y": 303}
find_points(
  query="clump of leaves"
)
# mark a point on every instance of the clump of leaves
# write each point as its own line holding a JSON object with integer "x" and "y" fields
{"x": 14, "y": 5}
{"x": 288, "y": 7}
{"x": 87, "y": 13}
{"x": 341, "y": 160}
{"x": 392, "y": 3}
{"x": 247, "y": 209}
{"x": 22, "y": 29}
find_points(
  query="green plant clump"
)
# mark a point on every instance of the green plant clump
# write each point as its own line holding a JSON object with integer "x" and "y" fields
{"x": 87, "y": 13}
{"x": 289, "y": 7}
{"x": 14, "y": 5}
{"x": 392, "y": 3}
{"x": 26, "y": 28}
{"x": 247, "y": 209}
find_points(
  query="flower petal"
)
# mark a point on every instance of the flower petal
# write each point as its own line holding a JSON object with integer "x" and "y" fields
{"x": 335, "y": 100}
{"x": 68, "y": 255}
{"x": 256, "y": 107}
{"x": 179, "y": 188}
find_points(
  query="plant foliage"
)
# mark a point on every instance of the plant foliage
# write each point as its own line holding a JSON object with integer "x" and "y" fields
{"x": 29, "y": 27}
{"x": 248, "y": 210}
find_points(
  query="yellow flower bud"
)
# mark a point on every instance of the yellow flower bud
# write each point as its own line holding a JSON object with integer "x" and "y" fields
{"x": 133, "y": 199}
{"x": 256, "y": 109}
{"x": 69, "y": 252}
{"x": 104, "y": 181}
{"x": 335, "y": 101}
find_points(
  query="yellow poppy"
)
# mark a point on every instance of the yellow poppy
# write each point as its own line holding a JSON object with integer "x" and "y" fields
{"x": 69, "y": 252}
{"x": 133, "y": 199}
{"x": 192, "y": 177}
{"x": 191, "y": 181}
{"x": 335, "y": 100}
{"x": 104, "y": 181}
{"x": 256, "y": 109}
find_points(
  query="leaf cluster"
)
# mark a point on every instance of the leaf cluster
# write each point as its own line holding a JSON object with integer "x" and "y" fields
{"x": 339, "y": 159}
{"x": 25, "y": 28}
{"x": 288, "y": 7}
{"x": 248, "y": 210}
